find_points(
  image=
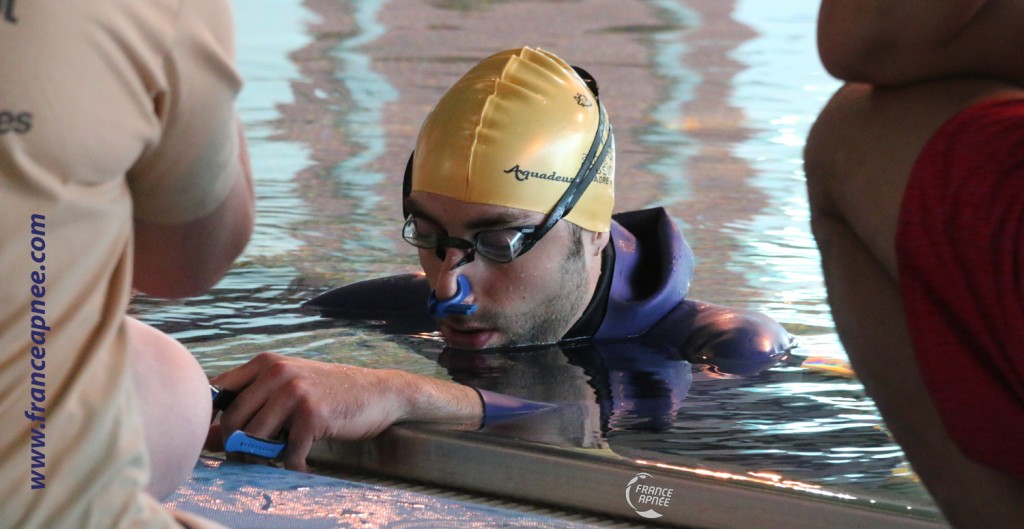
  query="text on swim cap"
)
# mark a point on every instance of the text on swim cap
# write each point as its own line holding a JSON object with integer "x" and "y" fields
{"x": 524, "y": 175}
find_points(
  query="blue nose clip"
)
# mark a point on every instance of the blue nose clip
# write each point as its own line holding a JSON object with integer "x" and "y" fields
{"x": 454, "y": 305}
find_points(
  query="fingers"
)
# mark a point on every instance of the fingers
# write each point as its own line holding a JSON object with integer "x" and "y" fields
{"x": 242, "y": 376}
{"x": 214, "y": 439}
{"x": 265, "y": 408}
{"x": 296, "y": 451}
{"x": 274, "y": 391}
{"x": 307, "y": 401}
{"x": 266, "y": 394}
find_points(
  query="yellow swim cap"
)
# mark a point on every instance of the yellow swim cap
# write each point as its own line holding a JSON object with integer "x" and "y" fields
{"x": 514, "y": 131}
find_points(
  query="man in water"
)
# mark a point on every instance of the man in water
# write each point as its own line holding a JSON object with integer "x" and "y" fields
{"x": 509, "y": 198}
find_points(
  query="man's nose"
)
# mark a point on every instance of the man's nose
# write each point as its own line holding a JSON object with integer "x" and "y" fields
{"x": 451, "y": 268}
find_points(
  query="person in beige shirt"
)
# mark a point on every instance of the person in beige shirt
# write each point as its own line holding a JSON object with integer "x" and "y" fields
{"x": 122, "y": 166}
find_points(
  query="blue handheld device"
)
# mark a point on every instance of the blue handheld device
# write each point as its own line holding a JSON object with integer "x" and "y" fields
{"x": 240, "y": 441}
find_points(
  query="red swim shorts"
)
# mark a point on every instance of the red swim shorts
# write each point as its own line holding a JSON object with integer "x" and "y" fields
{"x": 960, "y": 249}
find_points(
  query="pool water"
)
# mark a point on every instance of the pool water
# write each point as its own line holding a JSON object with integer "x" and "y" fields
{"x": 711, "y": 101}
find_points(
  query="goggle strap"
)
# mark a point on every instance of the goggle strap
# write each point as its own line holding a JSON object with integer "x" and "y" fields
{"x": 407, "y": 184}
{"x": 588, "y": 171}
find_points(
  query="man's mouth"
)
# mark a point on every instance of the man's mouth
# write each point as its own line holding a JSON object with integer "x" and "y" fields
{"x": 466, "y": 337}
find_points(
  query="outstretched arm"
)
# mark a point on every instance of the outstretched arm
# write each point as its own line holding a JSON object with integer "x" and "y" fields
{"x": 314, "y": 400}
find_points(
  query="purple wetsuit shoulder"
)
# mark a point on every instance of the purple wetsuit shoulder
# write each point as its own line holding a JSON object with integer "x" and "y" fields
{"x": 651, "y": 274}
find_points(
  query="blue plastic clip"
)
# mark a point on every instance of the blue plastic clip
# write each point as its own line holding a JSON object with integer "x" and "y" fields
{"x": 453, "y": 306}
{"x": 240, "y": 441}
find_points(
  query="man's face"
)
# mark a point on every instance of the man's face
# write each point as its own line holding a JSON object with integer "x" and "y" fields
{"x": 534, "y": 299}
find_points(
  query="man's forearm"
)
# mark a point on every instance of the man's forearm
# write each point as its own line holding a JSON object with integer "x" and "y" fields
{"x": 428, "y": 399}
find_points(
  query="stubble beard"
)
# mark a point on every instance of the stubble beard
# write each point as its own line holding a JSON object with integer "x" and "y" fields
{"x": 548, "y": 319}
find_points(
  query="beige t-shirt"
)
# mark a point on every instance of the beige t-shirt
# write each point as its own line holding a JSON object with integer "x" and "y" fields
{"x": 109, "y": 109}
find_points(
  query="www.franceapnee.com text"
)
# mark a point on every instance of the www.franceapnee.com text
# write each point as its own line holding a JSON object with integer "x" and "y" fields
{"x": 38, "y": 330}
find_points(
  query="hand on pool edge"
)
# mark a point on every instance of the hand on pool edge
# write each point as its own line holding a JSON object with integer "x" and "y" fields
{"x": 309, "y": 401}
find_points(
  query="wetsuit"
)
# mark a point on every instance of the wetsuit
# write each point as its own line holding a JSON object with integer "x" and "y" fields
{"x": 641, "y": 297}
{"x": 645, "y": 273}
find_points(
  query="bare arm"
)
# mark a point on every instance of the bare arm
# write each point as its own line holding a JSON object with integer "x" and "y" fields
{"x": 179, "y": 260}
{"x": 887, "y": 42}
{"x": 315, "y": 400}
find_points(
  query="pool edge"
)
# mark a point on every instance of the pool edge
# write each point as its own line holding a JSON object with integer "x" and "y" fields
{"x": 574, "y": 479}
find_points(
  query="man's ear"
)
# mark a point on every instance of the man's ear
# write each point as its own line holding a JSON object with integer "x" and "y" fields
{"x": 598, "y": 240}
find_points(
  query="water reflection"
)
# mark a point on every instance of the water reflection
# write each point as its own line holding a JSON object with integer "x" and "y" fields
{"x": 780, "y": 90}
{"x": 648, "y": 402}
{"x": 599, "y": 389}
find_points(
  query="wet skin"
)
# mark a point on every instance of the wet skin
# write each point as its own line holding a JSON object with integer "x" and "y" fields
{"x": 534, "y": 299}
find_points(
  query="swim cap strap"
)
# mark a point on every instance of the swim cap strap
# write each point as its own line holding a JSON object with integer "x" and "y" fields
{"x": 588, "y": 170}
{"x": 407, "y": 184}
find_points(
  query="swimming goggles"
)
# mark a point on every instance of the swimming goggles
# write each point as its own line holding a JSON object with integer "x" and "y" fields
{"x": 502, "y": 245}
